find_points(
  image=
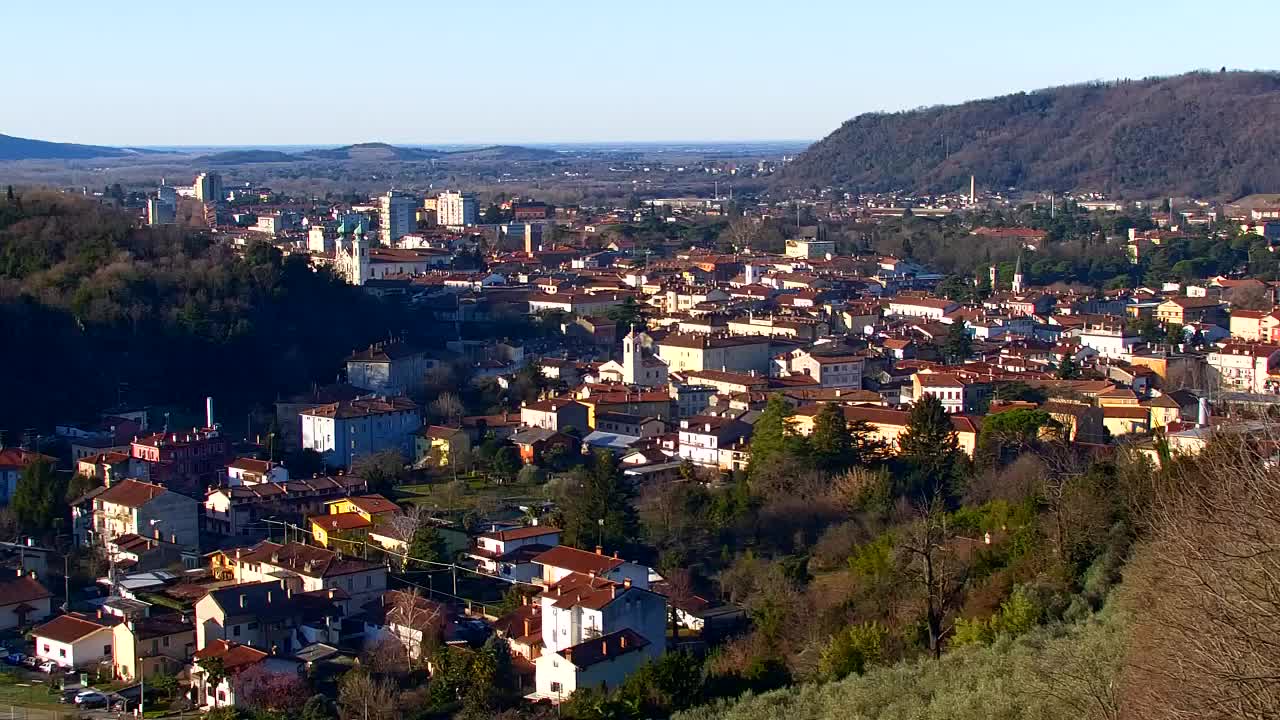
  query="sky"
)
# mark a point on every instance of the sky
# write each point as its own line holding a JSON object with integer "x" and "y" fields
{"x": 297, "y": 72}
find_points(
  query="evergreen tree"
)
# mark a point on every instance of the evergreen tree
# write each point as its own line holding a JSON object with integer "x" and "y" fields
{"x": 831, "y": 443}
{"x": 958, "y": 346}
{"x": 769, "y": 435}
{"x": 1068, "y": 369}
{"x": 426, "y": 544}
{"x": 39, "y": 498}
{"x": 865, "y": 445}
{"x": 596, "y": 508}
{"x": 930, "y": 452}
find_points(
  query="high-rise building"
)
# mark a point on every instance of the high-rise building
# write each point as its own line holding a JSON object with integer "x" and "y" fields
{"x": 455, "y": 209}
{"x": 160, "y": 212}
{"x": 208, "y": 188}
{"x": 397, "y": 216}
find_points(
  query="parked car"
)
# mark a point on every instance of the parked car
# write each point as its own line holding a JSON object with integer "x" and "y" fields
{"x": 91, "y": 698}
{"x": 49, "y": 667}
{"x": 15, "y": 658}
{"x": 31, "y": 661}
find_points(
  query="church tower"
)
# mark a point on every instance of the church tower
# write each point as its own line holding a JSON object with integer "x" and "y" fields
{"x": 359, "y": 259}
{"x": 1017, "y": 275}
{"x": 632, "y": 362}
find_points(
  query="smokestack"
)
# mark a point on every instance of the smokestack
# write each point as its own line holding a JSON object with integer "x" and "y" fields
{"x": 973, "y": 196}
{"x": 1202, "y": 418}
{"x": 208, "y": 411}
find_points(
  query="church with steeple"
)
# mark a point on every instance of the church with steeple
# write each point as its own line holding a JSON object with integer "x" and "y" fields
{"x": 637, "y": 368}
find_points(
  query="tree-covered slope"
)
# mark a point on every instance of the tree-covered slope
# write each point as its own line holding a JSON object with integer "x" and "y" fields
{"x": 1206, "y": 134}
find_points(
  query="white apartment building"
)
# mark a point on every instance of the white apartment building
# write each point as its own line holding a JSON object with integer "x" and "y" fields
{"x": 455, "y": 209}
{"x": 832, "y": 371}
{"x": 928, "y": 308}
{"x": 208, "y": 188}
{"x": 134, "y": 507}
{"x": 1111, "y": 341}
{"x": 350, "y": 429}
{"x": 1244, "y": 367}
{"x": 708, "y": 440}
{"x": 397, "y": 215}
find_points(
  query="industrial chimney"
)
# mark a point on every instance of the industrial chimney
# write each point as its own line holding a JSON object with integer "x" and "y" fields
{"x": 208, "y": 412}
{"x": 1202, "y": 418}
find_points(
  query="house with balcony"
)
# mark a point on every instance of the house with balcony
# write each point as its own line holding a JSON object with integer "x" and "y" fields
{"x": 509, "y": 554}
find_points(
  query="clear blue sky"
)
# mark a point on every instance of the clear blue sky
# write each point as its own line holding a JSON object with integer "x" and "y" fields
{"x": 295, "y": 72}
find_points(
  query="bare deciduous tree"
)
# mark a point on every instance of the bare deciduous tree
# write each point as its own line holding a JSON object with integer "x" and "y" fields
{"x": 1206, "y": 588}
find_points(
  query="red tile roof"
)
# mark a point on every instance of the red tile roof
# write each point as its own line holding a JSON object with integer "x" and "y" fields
{"x": 579, "y": 561}
{"x": 131, "y": 493}
{"x": 21, "y": 590}
{"x": 234, "y": 655}
{"x": 67, "y": 628}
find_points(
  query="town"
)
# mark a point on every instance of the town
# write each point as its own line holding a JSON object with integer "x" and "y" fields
{"x": 594, "y": 462}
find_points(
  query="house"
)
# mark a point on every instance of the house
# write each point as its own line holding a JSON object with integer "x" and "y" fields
{"x": 251, "y": 471}
{"x": 534, "y": 443}
{"x": 558, "y": 414}
{"x": 440, "y": 445}
{"x": 415, "y": 620}
{"x": 636, "y": 426}
{"x": 187, "y": 461}
{"x": 563, "y": 560}
{"x": 137, "y": 508}
{"x": 306, "y": 567}
{"x": 1110, "y": 340}
{"x": 106, "y": 468}
{"x": 238, "y": 510}
{"x": 957, "y": 395}
{"x": 830, "y": 370}
{"x": 928, "y": 308}
{"x": 234, "y": 659}
{"x": 12, "y": 462}
{"x": 73, "y": 641}
{"x": 509, "y": 554}
{"x": 695, "y": 351}
{"x": 388, "y": 368}
{"x": 1126, "y": 419}
{"x": 595, "y": 633}
{"x": 150, "y": 646}
{"x": 1243, "y": 366}
{"x": 351, "y": 516}
{"x": 1186, "y": 310}
{"x": 270, "y": 616}
{"x": 23, "y": 600}
{"x": 711, "y": 441}
{"x": 887, "y": 425}
{"x": 347, "y": 430}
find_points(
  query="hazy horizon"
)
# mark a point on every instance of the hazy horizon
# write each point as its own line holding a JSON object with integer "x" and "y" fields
{"x": 260, "y": 75}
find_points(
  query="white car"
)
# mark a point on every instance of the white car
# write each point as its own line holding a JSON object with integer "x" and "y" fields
{"x": 49, "y": 667}
{"x": 90, "y": 698}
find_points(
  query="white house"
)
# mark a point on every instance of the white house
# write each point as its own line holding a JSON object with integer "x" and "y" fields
{"x": 508, "y": 554}
{"x": 350, "y": 429}
{"x": 1111, "y": 341}
{"x": 73, "y": 641}
{"x": 388, "y": 368}
{"x": 251, "y": 471}
{"x": 595, "y": 632}
{"x": 708, "y": 440}
{"x": 929, "y": 308}
{"x": 1244, "y": 367}
{"x": 562, "y": 560}
{"x": 236, "y": 658}
{"x": 834, "y": 371}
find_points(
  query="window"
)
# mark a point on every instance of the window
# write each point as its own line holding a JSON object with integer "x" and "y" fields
{"x": 236, "y": 631}
{"x": 62, "y": 652}
{"x": 166, "y": 641}
{"x": 555, "y": 686}
{"x": 155, "y": 647}
{"x": 46, "y": 648}
{"x": 106, "y": 649}
{"x": 253, "y": 626}
{"x": 368, "y": 581}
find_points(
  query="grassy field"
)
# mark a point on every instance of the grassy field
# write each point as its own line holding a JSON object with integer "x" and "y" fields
{"x": 471, "y": 494}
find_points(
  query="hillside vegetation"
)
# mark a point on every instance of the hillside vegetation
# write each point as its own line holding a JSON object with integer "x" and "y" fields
{"x": 1204, "y": 134}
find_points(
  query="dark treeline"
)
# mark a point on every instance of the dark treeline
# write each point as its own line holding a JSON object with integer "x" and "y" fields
{"x": 95, "y": 311}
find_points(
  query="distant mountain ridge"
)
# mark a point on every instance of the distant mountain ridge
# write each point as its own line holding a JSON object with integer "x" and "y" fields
{"x": 1203, "y": 134}
{"x": 16, "y": 148}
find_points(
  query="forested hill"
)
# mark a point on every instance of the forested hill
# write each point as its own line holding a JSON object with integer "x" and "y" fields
{"x": 94, "y": 310}
{"x": 1204, "y": 134}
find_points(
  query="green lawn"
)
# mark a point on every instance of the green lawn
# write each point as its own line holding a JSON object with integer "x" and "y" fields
{"x": 27, "y": 694}
{"x": 479, "y": 494}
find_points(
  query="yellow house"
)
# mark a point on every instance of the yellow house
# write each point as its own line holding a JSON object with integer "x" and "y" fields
{"x": 1164, "y": 410}
{"x": 1126, "y": 420}
{"x": 151, "y": 646}
{"x": 439, "y": 446}
{"x": 351, "y": 516}
{"x": 887, "y": 424}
